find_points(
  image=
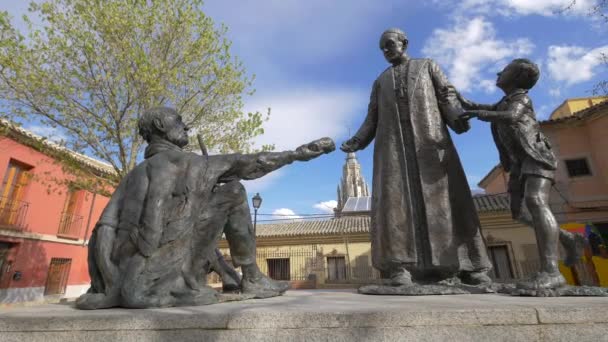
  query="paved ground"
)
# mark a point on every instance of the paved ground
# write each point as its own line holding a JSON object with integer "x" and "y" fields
{"x": 324, "y": 315}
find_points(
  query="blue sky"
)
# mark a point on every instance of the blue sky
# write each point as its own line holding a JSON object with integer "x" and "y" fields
{"x": 315, "y": 62}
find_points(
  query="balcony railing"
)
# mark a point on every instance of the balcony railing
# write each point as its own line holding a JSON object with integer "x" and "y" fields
{"x": 13, "y": 213}
{"x": 70, "y": 225}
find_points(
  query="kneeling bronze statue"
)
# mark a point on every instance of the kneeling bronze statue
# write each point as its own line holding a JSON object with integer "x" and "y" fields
{"x": 156, "y": 239}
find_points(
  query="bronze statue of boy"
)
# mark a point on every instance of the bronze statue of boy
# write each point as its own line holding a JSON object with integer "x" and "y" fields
{"x": 526, "y": 154}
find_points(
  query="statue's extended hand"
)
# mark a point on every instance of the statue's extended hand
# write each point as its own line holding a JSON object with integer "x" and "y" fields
{"x": 350, "y": 145}
{"x": 468, "y": 115}
{"x": 315, "y": 148}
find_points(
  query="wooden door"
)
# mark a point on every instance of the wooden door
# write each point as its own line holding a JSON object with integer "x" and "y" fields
{"x": 57, "y": 279}
{"x": 336, "y": 268}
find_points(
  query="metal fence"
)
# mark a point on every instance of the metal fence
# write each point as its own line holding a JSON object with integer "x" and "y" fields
{"x": 299, "y": 263}
{"x": 290, "y": 264}
{"x": 340, "y": 270}
{"x": 13, "y": 213}
{"x": 70, "y": 225}
{"x": 528, "y": 268}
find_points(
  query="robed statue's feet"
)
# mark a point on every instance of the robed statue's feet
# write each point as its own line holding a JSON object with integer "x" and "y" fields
{"x": 475, "y": 278}
{"x": 543, "y": 280}
{"x": 93, "y": 301}
{"x": 263, "y": 287}
{"x": 574, "y": 245}
{"x": 399, "y": 277}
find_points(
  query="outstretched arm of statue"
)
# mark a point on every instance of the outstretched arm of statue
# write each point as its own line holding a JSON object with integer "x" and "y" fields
{"x": 470, "y": 105}
{"x": 447, "y": 100}
{"x": 514, "y": 111}
{"x": 251, "y": 166}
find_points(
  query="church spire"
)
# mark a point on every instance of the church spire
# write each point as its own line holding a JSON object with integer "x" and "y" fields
{"x": 352, "y": 183}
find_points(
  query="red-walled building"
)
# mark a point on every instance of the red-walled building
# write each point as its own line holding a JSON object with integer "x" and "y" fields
{"x": 47, "y": 212}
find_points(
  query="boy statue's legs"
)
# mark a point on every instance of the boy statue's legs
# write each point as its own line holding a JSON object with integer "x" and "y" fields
{"x": 573, "y": 243}
{"x": 536, "y": 198}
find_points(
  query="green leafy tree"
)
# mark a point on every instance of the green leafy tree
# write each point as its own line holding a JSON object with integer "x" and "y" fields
{"x": 599, "y": 13}
{"x": 91, "y": 67}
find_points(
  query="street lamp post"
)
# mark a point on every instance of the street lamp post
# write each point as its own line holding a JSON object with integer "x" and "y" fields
{"x": 257, "y": 202}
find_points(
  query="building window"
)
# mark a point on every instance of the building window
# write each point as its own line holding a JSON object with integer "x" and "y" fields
{"x": 499, "y": 255}
{"x": 278, "y": 269}
{"x": 71, "y": 223}
{"x": 578, "y": 167}
{"x": 336, "y": 268}
{"x": 57, "y": 279}
{"x": 4, "y": 249}
{"x": 12, "y": 208}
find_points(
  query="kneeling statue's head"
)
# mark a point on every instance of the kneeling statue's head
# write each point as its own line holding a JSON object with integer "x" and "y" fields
{"x": 163, "y": 123}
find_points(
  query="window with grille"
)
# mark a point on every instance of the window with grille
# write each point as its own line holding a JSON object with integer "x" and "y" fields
{"x": 278, "y": 269}
{"x": 499, "y": 255}
{"x": 15, "y": 180}
{"x": 578, "y": 167}
{"x": 71, "y": 222}
{"x": 57, "y": 279}
{"x": 4, "y": 249}
{"x": 336, "y": 268}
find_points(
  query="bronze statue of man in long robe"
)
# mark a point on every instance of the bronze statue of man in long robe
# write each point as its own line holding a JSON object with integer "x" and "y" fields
{"x": 423, "y": 222}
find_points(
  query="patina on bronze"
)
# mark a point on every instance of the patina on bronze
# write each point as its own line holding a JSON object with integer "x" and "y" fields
{"x": 424, "y": 223}
{"x": 156, "y": 239}
{"x": 527, "y": 155}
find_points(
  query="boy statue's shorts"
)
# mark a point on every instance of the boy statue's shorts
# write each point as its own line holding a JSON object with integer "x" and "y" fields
{"x": 517, "y": 181}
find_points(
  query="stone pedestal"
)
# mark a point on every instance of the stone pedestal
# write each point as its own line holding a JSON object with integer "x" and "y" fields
{"x": 323, "y": 315}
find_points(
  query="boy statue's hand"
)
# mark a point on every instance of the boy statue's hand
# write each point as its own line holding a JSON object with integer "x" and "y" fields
{"x": 468, "y": 115}
{"x": 482, "y": 115}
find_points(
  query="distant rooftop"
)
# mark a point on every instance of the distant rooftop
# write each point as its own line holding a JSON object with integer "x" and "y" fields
{"x": 360, "y": 224}
{"x": 600, "y": 108}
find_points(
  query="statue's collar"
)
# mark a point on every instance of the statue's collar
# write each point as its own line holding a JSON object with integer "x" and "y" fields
{"x": 402, "y": 60}
{"x": 160, "y": 146}
{"x": 515, "y": 93}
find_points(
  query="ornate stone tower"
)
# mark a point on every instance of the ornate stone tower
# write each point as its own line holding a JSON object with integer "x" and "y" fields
{"x": 352, "y": 183}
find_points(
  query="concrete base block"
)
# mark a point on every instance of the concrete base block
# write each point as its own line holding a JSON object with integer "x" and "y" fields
{"x": 323, "y": 315}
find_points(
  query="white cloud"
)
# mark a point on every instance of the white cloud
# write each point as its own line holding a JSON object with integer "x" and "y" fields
{"x": 470, "y": 48}
{"x": 301, "y": 115}
{"x": 285, "y": 214}
{"x": 574, "y": 64}
{"x": 488, "y": 86}
{"x": 327, "y": 206}
{"x": 548, "y": 7}
{"x": 53, "y": 134}
{"x": 477, "y": 191}
{"x": 555, "y": 92}
{"x": 520, "y": 7}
